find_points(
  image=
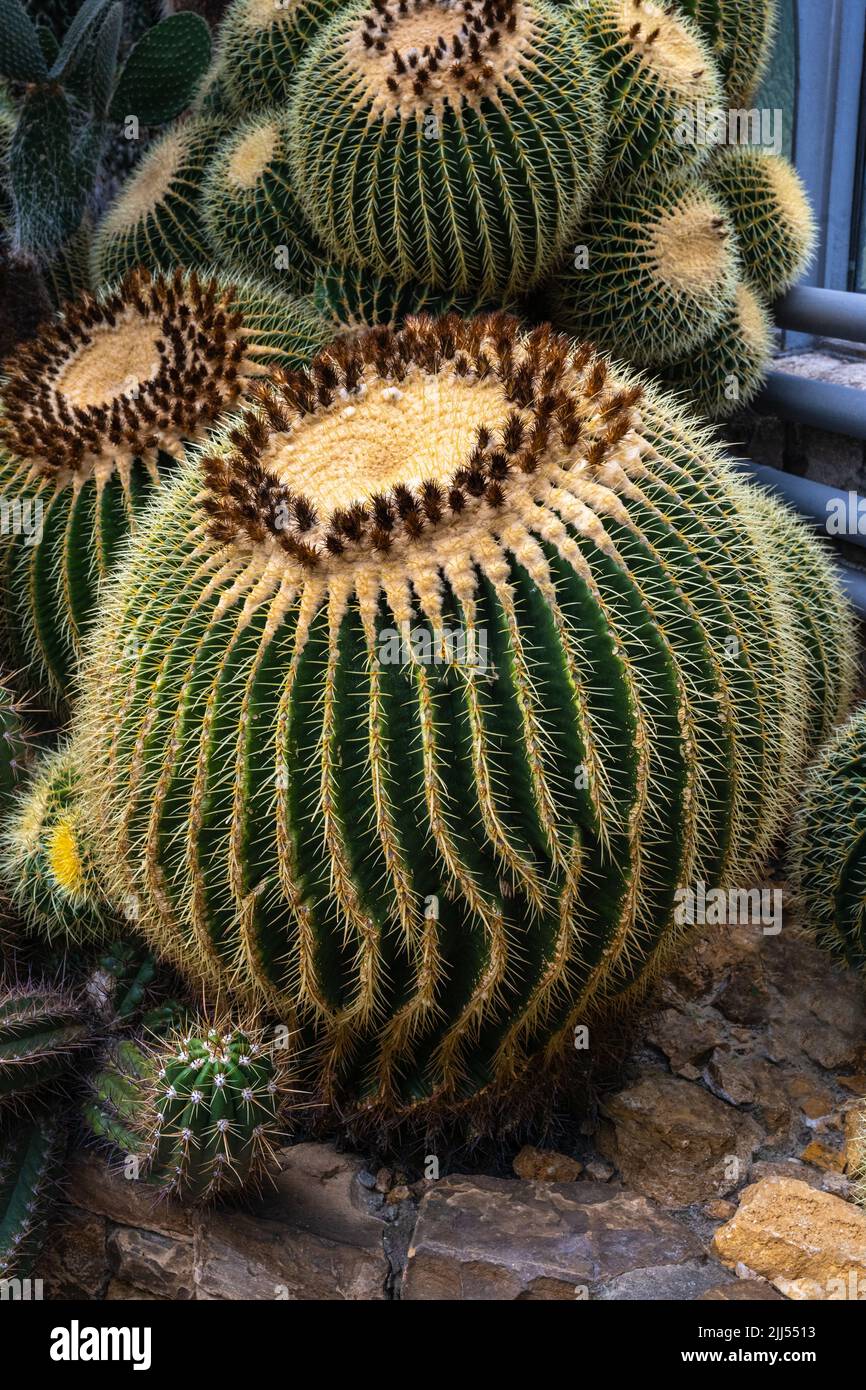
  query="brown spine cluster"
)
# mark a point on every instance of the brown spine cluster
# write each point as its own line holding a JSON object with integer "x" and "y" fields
{"x": 464, "y": 58}
{"x": 196, "y": 375}
{"x": 560, "y": 396}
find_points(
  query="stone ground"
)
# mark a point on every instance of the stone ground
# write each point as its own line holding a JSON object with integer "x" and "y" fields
{"x": 718, "y": 1169}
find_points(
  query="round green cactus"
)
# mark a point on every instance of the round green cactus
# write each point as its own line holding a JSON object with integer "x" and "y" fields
{"x": 47, "y": 866}
{"x": 14, "y": 746}
{"x": 527, "y": 594}
{"x": 727, "y": 370}
{"x": 452, "y": 146}
{"x": 41, "y": 1029}
{"x": 828, "y": 859}
{"x": 770, "y": 210}
{"x": 95, "y": 413}
{"x": 156, "y": 220}
{"x": 352, "y": 297}
{"x": 261, "y": 44}
{"x": 653, "y": 271}
{"x": 740, "y": 35}
{"x": 251, "y": 214}
{"x": 656, "y": 68}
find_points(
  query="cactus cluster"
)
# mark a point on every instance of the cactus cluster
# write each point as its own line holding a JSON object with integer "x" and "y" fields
{"x": 95, "y": 412}
{"x": 828, "y": 859}
{"x": 510, "y": 571}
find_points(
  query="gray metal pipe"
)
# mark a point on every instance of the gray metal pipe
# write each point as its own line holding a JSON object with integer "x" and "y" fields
{"x": 825, "y": 506}
{"x": 826, "y": 313}
{"x": 822, "y": 404}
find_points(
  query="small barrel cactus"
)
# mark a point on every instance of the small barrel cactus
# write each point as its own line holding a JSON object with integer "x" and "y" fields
{"x": 828, "y": 859}
{"x": 251, "y": 214}
{"x": 156, "y": 220}
{"x": 769, "y": 209}
{"x": 32, "y": 1151}
{"x": 352, "y": 297}
{"x": 41, "y": 1029}
{"x": 656, "y": 68}
{"x": 652, "y": 273}
{"x": 726, "y": 371}
{"x": 454, "y": 660}
{"x": 95, "y": 412}
{"x": 455, "y": 145}
{"x": 740, "y": 35}
{"x": 261, "y": 44}
{"x": 46, "y": 863}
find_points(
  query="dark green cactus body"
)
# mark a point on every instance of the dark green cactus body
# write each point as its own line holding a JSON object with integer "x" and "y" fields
{"x": 740, "y": 35}
{"x": 828, "y": 858}
{"x": 466, "y": 180}
{"x": 351, "y": 296}
{"x": 568, "y": 674}
{"x": 31, "y": 1157}
{"x": 251, "y": 214}
{"x": 14, "y": 749}
{"x": 725, "y": 372}
{"x": 768, "y": 206}
{"x": 40, "y": 1031}
{"x": 261, "y": 44}
{"x": 119, "y": 1090}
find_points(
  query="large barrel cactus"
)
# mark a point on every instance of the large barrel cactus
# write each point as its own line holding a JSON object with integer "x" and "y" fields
{"x": 453, "y": 144}
{"x": 828, "y": 857}
{"x": 261, "y": 43}
{"x": 93, "y": 414}
{"x": 426, "y": 687}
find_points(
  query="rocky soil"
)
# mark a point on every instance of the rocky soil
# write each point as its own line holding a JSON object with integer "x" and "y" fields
{"x": 719, "y": 1169}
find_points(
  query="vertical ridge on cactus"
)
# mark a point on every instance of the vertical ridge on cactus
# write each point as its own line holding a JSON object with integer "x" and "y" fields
{"x": 740, "y": 34}
{"x": 455, "y": 657}
{"x": 95, "y": 412}
{"x": 352, "y": 297}
{"x": 828, "y": 854}
{"x": 656, "y": 68}
{"x": 724, "y": 373}
{"x": 767, "y": 203}
{"x": 31, "y": 1155}
{"x": 251, "y": 214}
{"x": 156, "y": 219}
{"x": 452, "y": 145}
{"x": 659, "y": 271}
{"x": 261, "y": 44}
{"x": 15, "y": 750}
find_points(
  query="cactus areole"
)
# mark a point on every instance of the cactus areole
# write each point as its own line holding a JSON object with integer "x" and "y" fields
{"x": 407, "y": 712}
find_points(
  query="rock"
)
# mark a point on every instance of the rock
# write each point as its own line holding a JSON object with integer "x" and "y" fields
{"x": 856, "y": 1084}
{"x": 741, "y": 1291}
{"x": 400, "y": 1193}
{"x": 100, "y": 1188}
{"x": 719, "y": 1209}
{"x": 598, "y": 1171}
{"x": 822, "y": 1156}
{"x": 497, "y": 1239}
{"x": 814, "y": 1100}
{"x": 74, "y": 1263}
{"x": 159, "y": 1264}
{"x": 673, "y": 1141}
{"x": 686, "y": 1039}
{"x": 384, "y": 1180}
{"x": 745, "y": 997}
{"x": 807, "y": 1243}
{"x": 667, "y": 1283}
{"x": 545, "y": 1165}
{"x": 117, "y": 1291}
{"x": 315, "y": 1237}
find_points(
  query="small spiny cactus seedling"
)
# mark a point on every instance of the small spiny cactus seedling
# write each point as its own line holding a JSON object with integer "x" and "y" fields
{"x": 654, "y": 270}
{"x": 32, "y": 1152}
{"x": 725, "y": 372}
{"x": 470, "y": 139}
{"x": 261, "y": 44}
{"x": 828, "y": 859}
{"x": 41, "y": 1029}
{"x": 113, "y": 1110}
{"x": 656, "y": 68}
{"x": 770, "y": 211}
{"x": 96, "y": 411}
{"x": 217, "y": 1113}
{"x": 740, "y": 36}
{"x": 251, "y": 215}
{"x": 156, "y": 221}
{"x": 351, "y": 297}
{"x": 529, "y": 585}
{"x": 47, "y": 867}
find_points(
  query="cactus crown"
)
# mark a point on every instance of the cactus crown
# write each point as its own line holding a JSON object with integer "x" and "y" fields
{"x": 688, "y": 244}
{"x": 424, "y": 53}
{"x": 665, "y": 47}
{"x": 390, "y": 435}
{"x": 125, "y": 375}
